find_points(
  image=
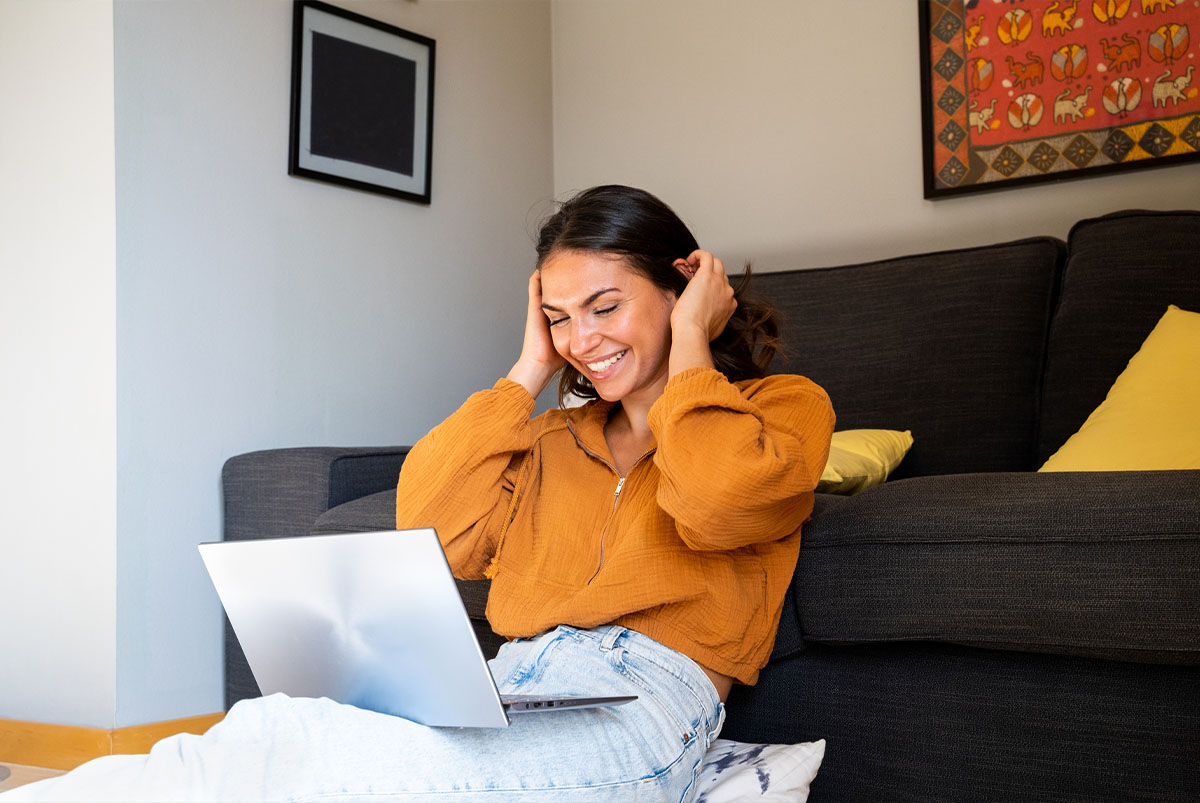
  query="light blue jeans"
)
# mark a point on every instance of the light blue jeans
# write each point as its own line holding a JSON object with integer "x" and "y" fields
{"x": 282, "y": 748}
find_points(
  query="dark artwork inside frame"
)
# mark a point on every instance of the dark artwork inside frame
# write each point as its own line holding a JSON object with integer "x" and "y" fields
{"x": 362, "y": 104}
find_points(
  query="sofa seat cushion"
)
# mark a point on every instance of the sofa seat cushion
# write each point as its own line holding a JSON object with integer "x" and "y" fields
{"x": 1103, "y": 564}
{"x": 366, "y": 514}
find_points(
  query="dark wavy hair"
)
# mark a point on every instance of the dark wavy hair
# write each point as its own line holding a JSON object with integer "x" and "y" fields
{"x": 638, "y": 227}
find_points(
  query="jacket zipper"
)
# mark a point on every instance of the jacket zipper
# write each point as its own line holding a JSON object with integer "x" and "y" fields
{"x": 616, "y": 494}
{"x": 603, "y": 532}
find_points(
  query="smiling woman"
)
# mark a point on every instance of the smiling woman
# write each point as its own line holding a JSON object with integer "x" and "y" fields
{"x": 639, "y": 545}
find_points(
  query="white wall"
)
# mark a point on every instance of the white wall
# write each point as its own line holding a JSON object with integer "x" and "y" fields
{"x": 257, "y": 310}
{"x": 788, "y": 132}
{"x": 57, "y": 362}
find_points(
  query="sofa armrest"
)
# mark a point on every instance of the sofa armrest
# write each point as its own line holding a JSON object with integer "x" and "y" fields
{"x": 1104, "y": 564}
{"x": 280, "y": 492}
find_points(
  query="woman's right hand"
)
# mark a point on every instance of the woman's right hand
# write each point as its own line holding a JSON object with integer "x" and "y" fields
{"x": 539, "y": 360}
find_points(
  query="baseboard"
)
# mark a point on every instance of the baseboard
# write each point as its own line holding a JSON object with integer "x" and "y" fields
{"x": 63, "y": 747}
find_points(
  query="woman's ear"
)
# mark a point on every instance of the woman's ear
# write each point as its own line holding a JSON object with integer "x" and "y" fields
{"x": 686, "y": 268}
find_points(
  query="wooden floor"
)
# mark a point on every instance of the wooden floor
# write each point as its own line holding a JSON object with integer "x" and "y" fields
{"x": 19, "y": 775}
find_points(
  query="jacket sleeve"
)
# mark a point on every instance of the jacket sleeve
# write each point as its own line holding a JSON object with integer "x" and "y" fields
{"x": 738, "y": 466}
{"x": 460, "y": 477}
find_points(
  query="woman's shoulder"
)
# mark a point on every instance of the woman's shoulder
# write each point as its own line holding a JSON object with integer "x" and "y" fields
{"x": 790, "y": 400}
{"x": 779, "y": 384}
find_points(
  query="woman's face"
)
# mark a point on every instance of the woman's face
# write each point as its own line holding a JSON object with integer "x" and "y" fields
{"x": 608, "y": 321}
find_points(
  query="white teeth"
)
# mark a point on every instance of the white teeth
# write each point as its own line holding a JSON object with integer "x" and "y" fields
{"x": 600, "y": 366}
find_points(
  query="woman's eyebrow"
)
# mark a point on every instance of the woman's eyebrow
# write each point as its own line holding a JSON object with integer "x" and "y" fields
{"x": 586, "y": 301}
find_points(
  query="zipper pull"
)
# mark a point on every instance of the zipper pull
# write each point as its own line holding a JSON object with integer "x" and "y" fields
{"x": 620, "y": 485}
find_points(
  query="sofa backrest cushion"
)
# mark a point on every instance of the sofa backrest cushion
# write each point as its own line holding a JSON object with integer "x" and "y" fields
{"x": 949, "y": 345}
{"x": 1121, "y": 273}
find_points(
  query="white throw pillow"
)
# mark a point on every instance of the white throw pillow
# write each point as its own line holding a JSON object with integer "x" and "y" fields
{"x": 737, "y": 771}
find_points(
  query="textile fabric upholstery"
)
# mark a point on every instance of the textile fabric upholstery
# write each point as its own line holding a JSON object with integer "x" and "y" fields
{"x": 941, "y": 722}
{"x": 737, "y": 772}
{"x": 1123, "y": 271}
{"x": 915, "y": 343}
{"x": 996, "y": 560}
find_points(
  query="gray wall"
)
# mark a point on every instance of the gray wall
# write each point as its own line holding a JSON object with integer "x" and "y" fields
{"x": 257, "y": 310}
{"x": 790, "y": 132}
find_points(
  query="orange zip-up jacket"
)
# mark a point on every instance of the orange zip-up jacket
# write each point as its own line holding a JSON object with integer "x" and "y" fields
{"x": 693, "y": 547}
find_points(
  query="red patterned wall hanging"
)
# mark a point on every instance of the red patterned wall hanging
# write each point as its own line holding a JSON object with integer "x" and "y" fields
{"x": 1019, "y": 91}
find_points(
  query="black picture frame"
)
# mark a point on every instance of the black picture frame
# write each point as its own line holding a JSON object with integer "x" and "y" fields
{"x": 362, "y": 102}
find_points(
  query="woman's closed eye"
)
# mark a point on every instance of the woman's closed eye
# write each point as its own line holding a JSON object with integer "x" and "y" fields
{"x": 607, "y": 310}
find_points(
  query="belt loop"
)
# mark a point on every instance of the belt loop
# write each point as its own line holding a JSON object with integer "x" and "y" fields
{"x": 610, "y": 638}
{"x": 715, "y": 733}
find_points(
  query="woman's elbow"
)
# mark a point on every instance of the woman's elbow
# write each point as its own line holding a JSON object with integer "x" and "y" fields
{"x": 735, "y": 528}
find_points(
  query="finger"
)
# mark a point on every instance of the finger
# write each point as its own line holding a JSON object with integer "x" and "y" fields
{"x": 700, "y": 258}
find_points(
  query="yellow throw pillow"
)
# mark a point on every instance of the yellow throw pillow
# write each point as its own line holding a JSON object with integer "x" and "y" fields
{"x": 862, "y": 458}
{"x": 1151, "y": 417}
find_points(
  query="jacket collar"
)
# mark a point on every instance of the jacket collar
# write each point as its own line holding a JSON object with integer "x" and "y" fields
{"x": 587, "y": 423}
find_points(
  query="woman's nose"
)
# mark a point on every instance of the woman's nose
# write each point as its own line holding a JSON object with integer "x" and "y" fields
{"x": 584, "y": 338}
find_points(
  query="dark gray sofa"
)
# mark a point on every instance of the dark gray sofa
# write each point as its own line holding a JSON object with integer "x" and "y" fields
{"x": 970, "y": 630}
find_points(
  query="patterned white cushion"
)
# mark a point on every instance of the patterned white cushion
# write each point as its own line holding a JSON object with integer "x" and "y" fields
{"x": 737, "y": 771}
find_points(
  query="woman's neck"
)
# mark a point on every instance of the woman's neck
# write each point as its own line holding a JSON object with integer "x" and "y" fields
{"x": 628, "y": 438}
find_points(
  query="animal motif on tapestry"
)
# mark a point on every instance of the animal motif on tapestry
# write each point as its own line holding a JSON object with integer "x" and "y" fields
{"x": 1028, "y": 73}
{"x": 981, "y": 118}
{"x": 1174, "y": 90}
{"x": 1065, "y": 106}
{"x": 972, "y": 34}
{"x": 1150, "y": 6}
{"x": 1058, "y": 20}
{"x": 1126, "y": 56}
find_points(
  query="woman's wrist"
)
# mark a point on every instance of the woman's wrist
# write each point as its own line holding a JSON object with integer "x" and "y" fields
{"x": 689, "y": 349}
{"x": 534, "y": 377}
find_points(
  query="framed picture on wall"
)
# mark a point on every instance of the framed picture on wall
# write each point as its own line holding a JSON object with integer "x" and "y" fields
{"x": 1043, "y": 90}
{"x": 362, "y": 102}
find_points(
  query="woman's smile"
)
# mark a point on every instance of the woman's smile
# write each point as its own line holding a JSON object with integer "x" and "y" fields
{"x": 601, "y": 367}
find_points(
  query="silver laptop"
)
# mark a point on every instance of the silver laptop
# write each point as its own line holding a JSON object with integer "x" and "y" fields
{"x": 369, "y": 619}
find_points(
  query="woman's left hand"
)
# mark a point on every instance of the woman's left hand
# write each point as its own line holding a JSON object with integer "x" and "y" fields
{"x": 707, "y": 303}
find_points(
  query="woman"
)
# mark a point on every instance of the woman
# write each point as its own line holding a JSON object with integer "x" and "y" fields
{"x": 638, "y": 544}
